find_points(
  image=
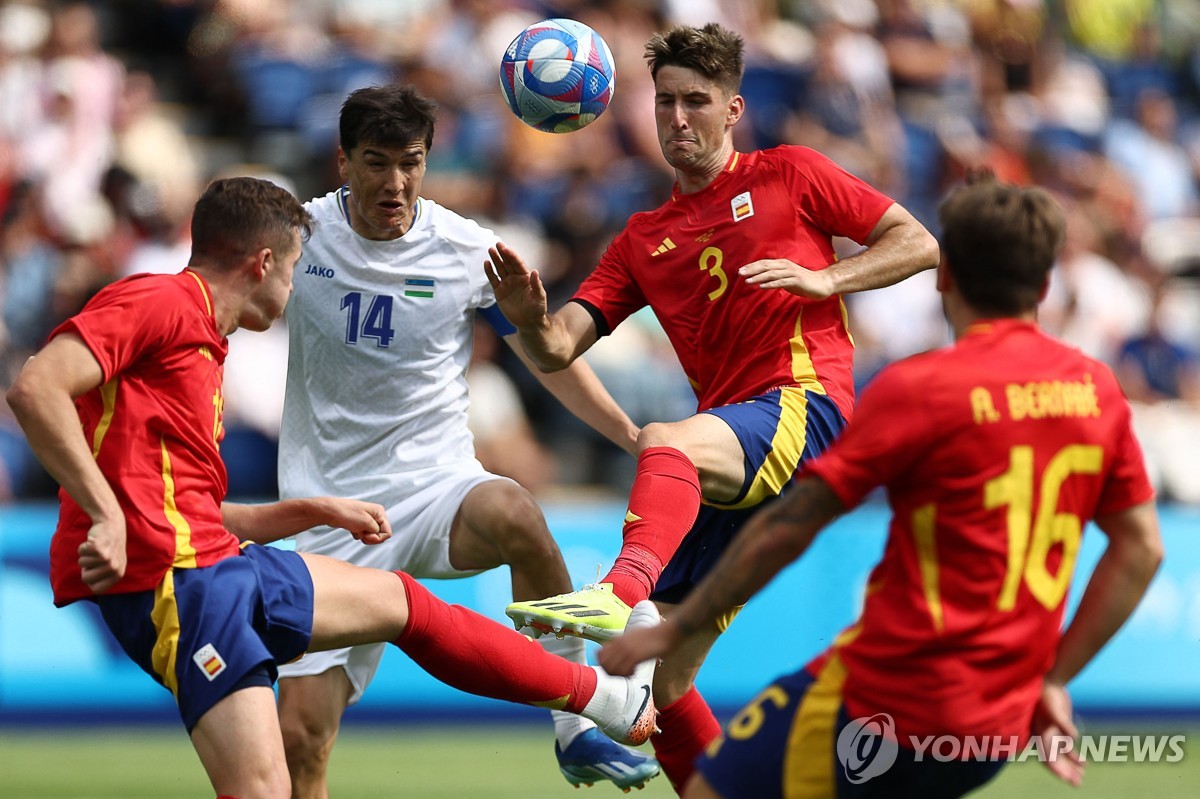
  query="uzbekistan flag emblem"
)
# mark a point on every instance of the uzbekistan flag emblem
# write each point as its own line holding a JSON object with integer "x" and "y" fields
{"x": 421, "y": 287}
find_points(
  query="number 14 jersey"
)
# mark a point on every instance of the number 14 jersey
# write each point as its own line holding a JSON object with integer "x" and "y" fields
{"x": 380, "y": 335}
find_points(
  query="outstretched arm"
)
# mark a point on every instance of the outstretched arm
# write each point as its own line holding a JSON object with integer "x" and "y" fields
{"x": 552, "y": 341}
{"x": 42, "y": 399}
{"x": 1117, "y": 584}
{"x": 773, "y": 538}
{"x": 582, "y": 393}
{"x": 899, "y": 246}
{"x": 262, "y": 524}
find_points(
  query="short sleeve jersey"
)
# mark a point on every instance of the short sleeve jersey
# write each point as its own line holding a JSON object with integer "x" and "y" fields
{"x": 154, "y": 427}
{"x": 735, "y": 340}
{"x": 995, "y": 453}
{"x": 380, "y": 336}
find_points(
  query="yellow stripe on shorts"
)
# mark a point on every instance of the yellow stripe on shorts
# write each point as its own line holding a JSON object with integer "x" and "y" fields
{"x": 808, "y": 764}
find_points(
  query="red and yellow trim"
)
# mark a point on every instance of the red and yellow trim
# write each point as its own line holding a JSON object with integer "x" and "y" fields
{"x": 208, "y": 303}
{"x": 108, "y": 396}
{"x": 165, "y": 617}
{"x": 185, "y": 553}
{"x": 809, "y": 762}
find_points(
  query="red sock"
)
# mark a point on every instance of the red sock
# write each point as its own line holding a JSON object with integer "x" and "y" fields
{"x": 688, "y": 727}
{"x": 475, "y": 654}
{"x": 663, "y": 505}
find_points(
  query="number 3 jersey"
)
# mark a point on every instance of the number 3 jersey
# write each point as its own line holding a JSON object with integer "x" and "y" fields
{"x": 995, "y": 453}
{"x": 735, "y": 340}
{"x": 380, "y": 336}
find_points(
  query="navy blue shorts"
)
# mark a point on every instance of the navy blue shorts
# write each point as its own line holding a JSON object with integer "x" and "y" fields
{"x": 788, "y": 742}
{"x": 207, "y": 632}
{"x": 778, "y": 431}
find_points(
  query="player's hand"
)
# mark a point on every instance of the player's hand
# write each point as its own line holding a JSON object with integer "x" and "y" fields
{"x": 102, "y": 556}
{"x": 366, "y": 521}
{"x": 780, "y": 273}
{"x": 621, "y": 655}
{"x": 1052, "y": 723}
{"x": 518, "y": 289}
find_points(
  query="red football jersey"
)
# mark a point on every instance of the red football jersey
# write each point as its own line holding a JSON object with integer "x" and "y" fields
{"x": 154, "y": 428}
{"x": 995, "y": 453}
{"x": 735, "y": 340}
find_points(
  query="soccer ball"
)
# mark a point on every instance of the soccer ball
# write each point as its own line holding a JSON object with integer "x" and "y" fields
{"x": 557, "y": 75}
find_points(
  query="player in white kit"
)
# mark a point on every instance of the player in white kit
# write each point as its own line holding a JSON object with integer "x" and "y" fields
{"x": 380, "y": 326}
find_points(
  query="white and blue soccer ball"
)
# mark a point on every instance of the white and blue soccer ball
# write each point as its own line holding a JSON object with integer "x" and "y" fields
{"x": 557, "y": 75}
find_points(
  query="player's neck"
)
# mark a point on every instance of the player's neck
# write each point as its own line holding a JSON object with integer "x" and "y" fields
{"x": 702, "y": 175}
{"x": 963, "y": 322}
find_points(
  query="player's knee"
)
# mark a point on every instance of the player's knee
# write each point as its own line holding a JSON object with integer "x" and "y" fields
{"x": 307, "y": 738}
{"x": 657, "y": 434}
{"x": 519, "y": 528}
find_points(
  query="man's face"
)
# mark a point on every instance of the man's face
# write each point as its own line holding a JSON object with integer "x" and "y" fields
{"x": 384, "y": 184}
{"x": 270, "y": 297}
{"x": 693, "y": 115}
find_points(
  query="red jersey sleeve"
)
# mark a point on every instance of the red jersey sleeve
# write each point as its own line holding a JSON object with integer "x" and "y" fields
{"x": 1128, "y": 483}
{"x": 121, "y": 323}
{"x": 889, "y": 432}
{"x": 611, "y": 287}
{"x": 837, "y": 202}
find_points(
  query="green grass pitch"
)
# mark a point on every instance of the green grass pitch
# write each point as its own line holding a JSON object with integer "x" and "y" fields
{"x": 442, "y": 762}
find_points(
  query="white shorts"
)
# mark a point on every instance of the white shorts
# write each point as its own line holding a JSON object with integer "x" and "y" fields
{"x": 420, "y": 545}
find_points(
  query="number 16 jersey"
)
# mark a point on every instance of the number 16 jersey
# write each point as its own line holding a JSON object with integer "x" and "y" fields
{"x": 995, "y": 453}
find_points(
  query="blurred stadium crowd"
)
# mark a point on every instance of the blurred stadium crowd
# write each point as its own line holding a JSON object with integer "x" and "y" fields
{"x": 113, "y": 115}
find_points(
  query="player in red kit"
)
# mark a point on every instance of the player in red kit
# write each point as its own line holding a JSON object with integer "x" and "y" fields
{"x": 739, "y": 268}
{"x": 124, "y": 408}
{"x": 995, "y": 453}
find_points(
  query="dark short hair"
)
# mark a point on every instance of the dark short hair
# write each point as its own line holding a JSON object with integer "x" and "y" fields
{"x": 1000, "y": 242}
{"x": 389, "y": 116}
{"x": 237, "y": 216}
{"x": 713, "y": 51}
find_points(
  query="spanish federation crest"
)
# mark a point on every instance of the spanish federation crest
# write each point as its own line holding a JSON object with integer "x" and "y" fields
{"x": 742, "y": 206}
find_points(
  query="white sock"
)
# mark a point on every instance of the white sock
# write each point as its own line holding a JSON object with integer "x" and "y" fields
{"x": 567, "y": 726}
{"x": 610, "y": 697}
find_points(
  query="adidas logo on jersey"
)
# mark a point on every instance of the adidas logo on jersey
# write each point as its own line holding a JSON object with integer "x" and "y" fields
{"x": 666, "y": 246}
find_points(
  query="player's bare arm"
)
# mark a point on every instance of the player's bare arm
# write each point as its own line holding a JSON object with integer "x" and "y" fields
{"x": 42, "y": 399}
{"x": 899, "y": 246}
{"x": 1117, "y": 584}
{"x": 582, "y": 393}
{"x": 552, "y": 341}
{"x": 365, "y": 521}
{"x": 772, "y": 539}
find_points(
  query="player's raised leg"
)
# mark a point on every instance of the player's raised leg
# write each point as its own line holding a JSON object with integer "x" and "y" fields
{"x": 469, "y": 651}
{"x": 677, "y": 464}
{"x": 499, "y": 523}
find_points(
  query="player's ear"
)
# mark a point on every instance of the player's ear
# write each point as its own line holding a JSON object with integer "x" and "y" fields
{"x": 343, "y": 161}
{"x": 945, "y": 280}
{"x": 1045, "y": 289}
{"x": 737, "y": 107}
{"x": 264, "y": 261}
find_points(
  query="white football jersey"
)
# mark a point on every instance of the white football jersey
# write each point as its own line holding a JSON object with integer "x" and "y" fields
{"x": 380, "y": 336}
